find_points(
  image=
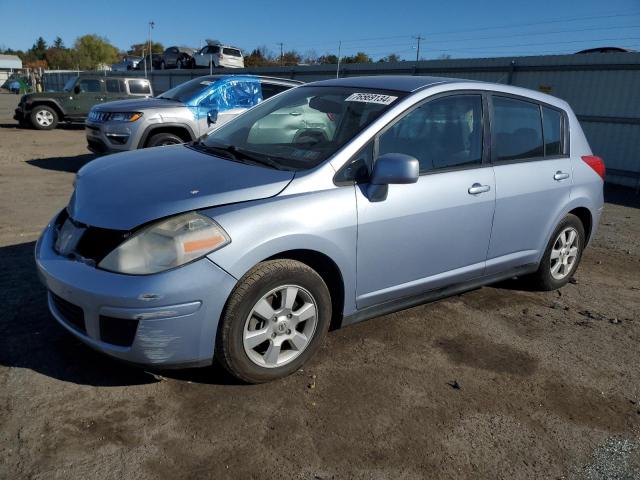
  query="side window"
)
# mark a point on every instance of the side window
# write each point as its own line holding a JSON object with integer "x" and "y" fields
{"x": 139, "y": 87}
{"x": 89, "y": 85}
{"x": 442, "y": 133}
{"x": 517, "y": 129}
{"x": 114, "y": 85}
{"x": 552, "y": 129}
{"x": 270, "y": 89}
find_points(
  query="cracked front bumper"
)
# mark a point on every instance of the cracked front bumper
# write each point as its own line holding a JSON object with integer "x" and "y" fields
{"x": 169, "y": 319}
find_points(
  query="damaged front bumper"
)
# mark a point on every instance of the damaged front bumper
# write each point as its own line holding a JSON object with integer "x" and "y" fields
{"x": 167, "y": 320}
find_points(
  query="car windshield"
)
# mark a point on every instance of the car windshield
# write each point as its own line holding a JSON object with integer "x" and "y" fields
{"x": 301, "y": 127}
{"x": 69, "y": 85}
{"x": 186, "y": 91}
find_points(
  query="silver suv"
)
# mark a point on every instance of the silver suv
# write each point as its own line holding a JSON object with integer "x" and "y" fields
{"x": 219, "y": 56}
{"x": 179, "y": 115}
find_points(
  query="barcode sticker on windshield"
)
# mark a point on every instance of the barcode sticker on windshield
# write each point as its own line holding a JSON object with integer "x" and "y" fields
{"x": 370, "y": 98}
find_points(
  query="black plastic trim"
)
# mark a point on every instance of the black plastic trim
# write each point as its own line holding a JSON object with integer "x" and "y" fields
{"x": 149, "y": 130}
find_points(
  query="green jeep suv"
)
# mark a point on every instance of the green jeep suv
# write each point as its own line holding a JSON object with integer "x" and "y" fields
{"x": 45, "y": 110}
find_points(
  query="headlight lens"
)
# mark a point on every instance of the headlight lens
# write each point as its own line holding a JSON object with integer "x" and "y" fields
{"x": 167, "y": 244}
{"x": 125, "y": 116}
{"x": 100, "y": 116}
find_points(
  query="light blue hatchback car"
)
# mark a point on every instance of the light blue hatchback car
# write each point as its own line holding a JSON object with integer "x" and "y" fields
{"x": 392, "y": 191}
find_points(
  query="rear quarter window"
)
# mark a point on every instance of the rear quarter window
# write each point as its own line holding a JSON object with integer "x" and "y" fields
{"x": 139, "y": 87}
{"x": 552, "y": 130}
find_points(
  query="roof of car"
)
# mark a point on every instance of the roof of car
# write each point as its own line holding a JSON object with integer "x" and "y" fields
{"x": 260, "y": 77}
{"x": 400, "y": 83}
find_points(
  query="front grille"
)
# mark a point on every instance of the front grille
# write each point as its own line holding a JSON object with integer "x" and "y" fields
{"x": 97, "y": 243}
{"x": 118, "y": 331}
{"x": 98, "y": 116}
{"x": 71, "y": 314}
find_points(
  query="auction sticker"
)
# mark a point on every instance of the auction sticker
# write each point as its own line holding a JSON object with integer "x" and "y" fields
{"x": 371, "y": 98}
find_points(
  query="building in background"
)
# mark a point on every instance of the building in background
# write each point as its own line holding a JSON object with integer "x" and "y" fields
{"x": 8, "y": 65}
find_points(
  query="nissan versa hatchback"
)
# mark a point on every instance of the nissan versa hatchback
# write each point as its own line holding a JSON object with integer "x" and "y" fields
{"x": 245, "y": 246}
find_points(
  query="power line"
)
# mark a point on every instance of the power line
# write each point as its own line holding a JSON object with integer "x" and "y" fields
{"x": 497, "y": 27}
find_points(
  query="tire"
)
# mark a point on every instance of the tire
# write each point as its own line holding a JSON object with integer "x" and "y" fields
{"x": 544, "y": 278}
{"x": 43, "y": 118}
{"x": 164, "y": 139}
{"x": 266, "y": 289}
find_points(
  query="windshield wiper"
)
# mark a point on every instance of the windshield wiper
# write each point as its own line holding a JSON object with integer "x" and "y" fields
{"x": 239, "y": 154}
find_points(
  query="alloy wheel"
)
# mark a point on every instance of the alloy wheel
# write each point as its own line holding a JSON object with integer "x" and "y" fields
{"x": 280, "y": 326}
{"x": 564, "y": 253}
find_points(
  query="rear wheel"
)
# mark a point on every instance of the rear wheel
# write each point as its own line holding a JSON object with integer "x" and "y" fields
{"x": 274, "y": 321}
{"x": 562, "y": 256}
{"x": 43, "y": 118}
{"x": 164, "y": 139}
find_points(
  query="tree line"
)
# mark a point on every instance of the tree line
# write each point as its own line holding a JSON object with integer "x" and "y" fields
{"x": 90, "y": 52}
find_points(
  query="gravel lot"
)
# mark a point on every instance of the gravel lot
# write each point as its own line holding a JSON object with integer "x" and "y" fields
{"x": 549, "y": 383}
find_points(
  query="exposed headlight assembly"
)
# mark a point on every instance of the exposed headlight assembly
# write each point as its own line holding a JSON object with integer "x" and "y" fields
{"x": 166, "y": 244}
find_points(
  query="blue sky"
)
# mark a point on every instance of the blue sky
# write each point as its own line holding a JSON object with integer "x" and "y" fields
{"x": 469, "y": 28}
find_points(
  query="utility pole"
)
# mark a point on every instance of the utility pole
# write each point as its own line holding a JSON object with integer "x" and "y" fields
{"x": 418, "y": 38}
{"x": 338, "y": 67}
{"x": 145, "y": 62}
{"x": 151, "y": 25}
{"x": 281, "y": 53}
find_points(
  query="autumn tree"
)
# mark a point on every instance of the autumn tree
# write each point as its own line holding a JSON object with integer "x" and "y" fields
{"x": 92, "y": 51}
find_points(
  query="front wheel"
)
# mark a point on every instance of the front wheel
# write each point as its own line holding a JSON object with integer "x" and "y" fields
{"x": 44, "y": 118}
{"x": 274, "y": 321}
{"x": 164, "y": 139}
{"x": 562, "y": 255}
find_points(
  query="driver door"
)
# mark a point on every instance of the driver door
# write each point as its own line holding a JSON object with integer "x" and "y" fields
{"x": 87, "y": 93}
{"x": 434, "y": 232}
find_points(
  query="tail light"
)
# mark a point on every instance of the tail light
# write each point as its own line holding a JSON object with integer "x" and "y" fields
{"x": 596, "y": 163}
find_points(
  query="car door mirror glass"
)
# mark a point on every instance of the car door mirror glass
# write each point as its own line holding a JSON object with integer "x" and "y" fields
{"x": 395, "y": 168}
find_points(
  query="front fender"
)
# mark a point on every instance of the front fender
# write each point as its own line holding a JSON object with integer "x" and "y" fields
{"x": 322, "y": 221}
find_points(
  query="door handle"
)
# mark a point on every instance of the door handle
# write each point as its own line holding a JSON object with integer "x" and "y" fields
{"x": 560, "y": 176}
{"x": 476, "y": 188}
{"x": 295, "y": 114}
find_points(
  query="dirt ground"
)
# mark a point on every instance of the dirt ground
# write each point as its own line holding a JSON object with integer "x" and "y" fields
{"x": 495, "y": 383}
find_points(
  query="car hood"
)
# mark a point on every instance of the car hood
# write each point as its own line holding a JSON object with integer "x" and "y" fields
{"x": 125, "y": 190}
{"x": 136, "y": 104}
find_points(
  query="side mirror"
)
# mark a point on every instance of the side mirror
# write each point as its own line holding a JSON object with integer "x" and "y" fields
{"x": 212, "y": 117}
{"x": 395, "y": 168}
{"x": 77, "y": 89}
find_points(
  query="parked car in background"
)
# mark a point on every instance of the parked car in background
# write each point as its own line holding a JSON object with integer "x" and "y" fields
{"x": 247, "y": 248}
{"x": 127, "y": 63}
{"x": 156, "y": 58}
{"x": 178, "y": 57}
{"x": 179, "y": 115}
{"x": 219, "y": 56}
{"x": 45, "y": 110}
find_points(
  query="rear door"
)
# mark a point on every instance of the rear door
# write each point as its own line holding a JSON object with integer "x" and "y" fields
{"x": 533, "y": 178}
{"x": 435, "y": 232}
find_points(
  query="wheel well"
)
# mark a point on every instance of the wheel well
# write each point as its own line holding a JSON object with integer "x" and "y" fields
{"x": 181, "y": 132}
{"x": 52, "y": 105}
{"x": 329, "y": 272}
{"x": 585, "y": 217}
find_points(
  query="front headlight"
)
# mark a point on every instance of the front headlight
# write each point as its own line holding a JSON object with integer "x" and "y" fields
{"x": 167, "y": 244}
{"x": 124, "y": 116}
